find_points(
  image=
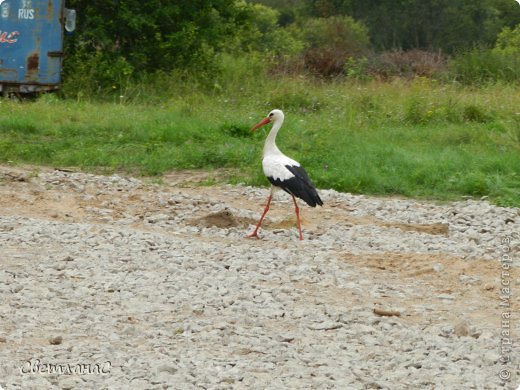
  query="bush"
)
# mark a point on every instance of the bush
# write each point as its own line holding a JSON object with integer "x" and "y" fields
{"x": 330, "y": 42}
{"x": 509, "y": 40}
{"x": 357, "y": 69}
{"x": 263, "y": 34}
{"x": 475, "y": 113}
{"x": 95, "y": 73}
{"x": 407, "y": 64}
{"x": 239, "y": 72}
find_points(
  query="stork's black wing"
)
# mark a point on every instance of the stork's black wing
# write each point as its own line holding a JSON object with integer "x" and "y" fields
{"x": 300, "y": 186}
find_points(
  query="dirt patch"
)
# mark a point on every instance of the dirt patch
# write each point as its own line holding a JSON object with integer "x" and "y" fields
{"x": 191, "y": 177}
{"x": 221, "y": 219}
{"x": 457, "y": 288}
{"x": 434, "y": 228}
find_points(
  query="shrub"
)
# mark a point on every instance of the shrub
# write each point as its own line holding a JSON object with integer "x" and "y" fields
{"x": 407, "y": 64}
{"x": 330, "y": 42}
{"x": 509, "y": 40}
{"x": 263, "y": 34}
{"x": 239, "y": 72}
{"x": 357, "y": 68}
{"x": 94, "y": 74}
{"x": 236, "y": 130}
{"x": 416, "y": 112}
{"x": 474, "y": 113}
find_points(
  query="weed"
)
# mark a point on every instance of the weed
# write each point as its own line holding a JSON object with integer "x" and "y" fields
{"x": 237, "y": 131}
{"x": 416, "y": 112}
{"x": 475, "y": 113}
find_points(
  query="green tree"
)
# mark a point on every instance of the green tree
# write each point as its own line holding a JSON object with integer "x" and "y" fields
{"x": 509, "y": 40}
{"x": 264, "y": 34}
{"x": 153, "y": 34}
{"x": 450, "y": 25}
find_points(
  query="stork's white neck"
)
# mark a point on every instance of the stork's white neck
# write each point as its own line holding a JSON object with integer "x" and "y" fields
{"x": 270, "y": 147}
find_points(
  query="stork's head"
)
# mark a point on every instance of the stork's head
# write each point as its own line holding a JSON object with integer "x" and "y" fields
{"x": 275, "y": 116}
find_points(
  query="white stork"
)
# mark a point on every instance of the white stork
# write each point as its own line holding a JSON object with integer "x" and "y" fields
{"x": 284, "y": 172}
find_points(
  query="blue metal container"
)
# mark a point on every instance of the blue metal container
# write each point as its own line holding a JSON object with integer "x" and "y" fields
{"x": 31, "y": 45}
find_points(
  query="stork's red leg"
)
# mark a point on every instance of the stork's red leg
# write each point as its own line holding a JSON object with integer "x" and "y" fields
{"x": 255, "y": 232}
{"x": 297, "y": 211}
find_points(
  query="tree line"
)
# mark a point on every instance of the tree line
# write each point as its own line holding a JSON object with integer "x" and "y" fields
{"x": 126, "y": 38}
{"x": 447, "y": 25}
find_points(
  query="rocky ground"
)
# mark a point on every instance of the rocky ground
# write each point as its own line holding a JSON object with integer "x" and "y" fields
{"x": 110, "y": 282}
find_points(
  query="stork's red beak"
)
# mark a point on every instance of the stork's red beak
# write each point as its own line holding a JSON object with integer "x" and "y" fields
{"x": 261, "y": 123}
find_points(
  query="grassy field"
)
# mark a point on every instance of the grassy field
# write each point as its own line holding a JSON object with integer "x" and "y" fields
{"x": 417, "y": 139}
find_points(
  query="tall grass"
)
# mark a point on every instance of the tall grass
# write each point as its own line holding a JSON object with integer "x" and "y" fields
{"x": 480, "y": 66}
{"x": 419, "y": 138}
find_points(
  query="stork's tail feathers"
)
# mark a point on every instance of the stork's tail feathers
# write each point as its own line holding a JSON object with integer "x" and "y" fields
{"x": 300, "y": 186}
{"x": 310, "y": 196}
{"x": 313, "y": 198}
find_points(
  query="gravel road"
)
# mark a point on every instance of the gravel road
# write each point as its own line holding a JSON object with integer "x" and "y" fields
{"x": 112, "y": 282}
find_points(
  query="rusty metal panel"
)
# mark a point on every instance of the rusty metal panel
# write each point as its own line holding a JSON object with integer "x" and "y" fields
{"x": 31, "y": 42}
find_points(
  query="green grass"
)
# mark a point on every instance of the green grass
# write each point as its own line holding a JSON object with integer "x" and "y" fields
{"x": 417, "y": 139}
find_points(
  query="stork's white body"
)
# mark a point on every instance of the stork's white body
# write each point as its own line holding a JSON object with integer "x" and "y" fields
{"x": 275, "y": 166}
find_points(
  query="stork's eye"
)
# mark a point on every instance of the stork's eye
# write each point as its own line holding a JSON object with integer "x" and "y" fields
{"x": 271, "y": 114}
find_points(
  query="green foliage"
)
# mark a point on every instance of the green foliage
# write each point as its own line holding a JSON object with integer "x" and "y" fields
{"x": 330, "y": 42}
{"x": 416, "y": 112}
{"x": 99, "y": 73}
{"x": 502, "y": 63}
{"x": 508, "y": 40}
{"x": 475, "y": 113}
{"x": 117, "y": 43}
{"x": 357, "y": 68}
{"x": 239, "y": 72}
{"x": 136, "y": 37}
{"x": 449, "y": 25}
{"x": 483, "y": 66}
{"x": 340, "y": 32}
{"x": 236, "y": 130}
{"x": 263, "y": 34}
